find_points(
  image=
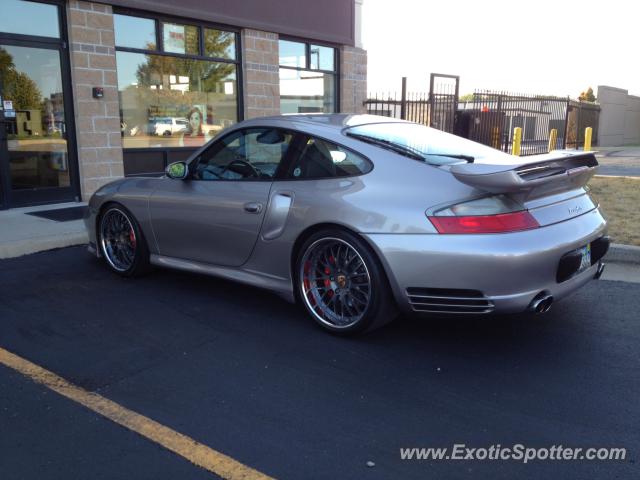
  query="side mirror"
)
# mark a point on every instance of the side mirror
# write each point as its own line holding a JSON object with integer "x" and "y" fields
{"x": 177, "y": 170}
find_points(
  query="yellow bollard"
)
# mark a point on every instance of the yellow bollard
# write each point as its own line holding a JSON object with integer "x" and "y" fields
{"x": 587, "y": 139}
{"x": 495, "y": 138}
{"x": 553, "y": 139}
{"x": 517, "y": 140}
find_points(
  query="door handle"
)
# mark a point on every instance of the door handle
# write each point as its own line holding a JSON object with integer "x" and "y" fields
{"x": 253, "y": 207}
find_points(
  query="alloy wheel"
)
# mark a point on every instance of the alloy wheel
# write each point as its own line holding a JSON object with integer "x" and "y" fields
{"x": 118, "y": 239}
{"x": 335, "y": 282}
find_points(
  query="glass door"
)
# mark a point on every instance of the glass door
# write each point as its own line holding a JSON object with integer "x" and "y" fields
{"x": 38, "y": 162}
{"x": 35, "y": 160}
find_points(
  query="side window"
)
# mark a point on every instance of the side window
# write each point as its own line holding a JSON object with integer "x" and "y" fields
{"x": 323, "y": 159}
{"x": 252, "y": 154}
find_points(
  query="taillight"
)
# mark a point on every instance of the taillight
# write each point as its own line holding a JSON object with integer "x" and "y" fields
{"x": 496, "y": 214}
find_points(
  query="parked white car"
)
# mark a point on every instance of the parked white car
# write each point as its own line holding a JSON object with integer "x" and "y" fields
{"x": 171, "y": 125}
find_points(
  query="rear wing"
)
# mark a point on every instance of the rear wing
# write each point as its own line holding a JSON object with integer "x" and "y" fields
{"x": 542, "y": 175}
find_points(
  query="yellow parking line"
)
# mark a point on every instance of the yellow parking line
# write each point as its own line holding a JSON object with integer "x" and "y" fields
{"x": 197, "y": 453}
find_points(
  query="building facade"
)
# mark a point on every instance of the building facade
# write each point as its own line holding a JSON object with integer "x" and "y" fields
{"x": 91, "y": 92}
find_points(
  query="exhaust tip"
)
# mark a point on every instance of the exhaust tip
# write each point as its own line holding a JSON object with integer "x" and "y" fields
{"x": 541, "y": 303}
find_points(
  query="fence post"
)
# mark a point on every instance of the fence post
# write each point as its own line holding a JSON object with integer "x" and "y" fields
{"x": 517, "y": 140}
{"x": 566, "y": 123}
{"x": 588, "y": 132}
{"x": 403, "y": 99}
{"x": 553, "y": 139}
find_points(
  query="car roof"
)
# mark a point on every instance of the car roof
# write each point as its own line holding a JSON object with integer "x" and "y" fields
{"x": 335, "y": 120}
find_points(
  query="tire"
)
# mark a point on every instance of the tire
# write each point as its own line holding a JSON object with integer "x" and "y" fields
{"x": 121, "y": 242}
{"x": 342, "y": 284}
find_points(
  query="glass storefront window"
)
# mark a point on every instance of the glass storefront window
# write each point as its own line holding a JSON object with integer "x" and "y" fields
{"x": 168, "y": 101}
{"x": 305, "y": 91}
{"x": 220, "y": 44}
{"x": 321, "y": 57}
{"x": 292, "y": 54}
{"x": 135, "y": 32}
{"x": 29, "y": 18}
{"x": 182, "y": 97}
{"x": 180, "y": 39}
{"x": 304, "y": 88}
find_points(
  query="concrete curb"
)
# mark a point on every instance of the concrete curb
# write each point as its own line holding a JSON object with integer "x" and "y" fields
{"x": 41, "y": 244}
{"x": 619, "y": 253}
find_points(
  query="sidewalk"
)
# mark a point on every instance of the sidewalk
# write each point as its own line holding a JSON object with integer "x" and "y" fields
{"x": 619, "y": 161}
{"x": 22, "y": 234}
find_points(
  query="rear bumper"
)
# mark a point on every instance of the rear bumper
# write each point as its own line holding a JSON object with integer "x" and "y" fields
{"x": 508, "y": 269}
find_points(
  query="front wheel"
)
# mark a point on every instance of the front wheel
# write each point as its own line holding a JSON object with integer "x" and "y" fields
{"x": 342, "y": 284}
{"x": 122, "y": 244}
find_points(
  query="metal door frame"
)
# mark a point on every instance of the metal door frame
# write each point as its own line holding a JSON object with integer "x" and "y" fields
{"x": 9, "y": 198}
{"x": 453, "y": 103}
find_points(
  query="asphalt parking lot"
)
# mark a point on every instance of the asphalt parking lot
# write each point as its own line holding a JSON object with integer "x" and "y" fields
{"x": 245, "y": 373}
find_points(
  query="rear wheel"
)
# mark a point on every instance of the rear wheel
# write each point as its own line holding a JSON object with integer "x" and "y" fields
{"x": 342, "y": 284}
{"x": 122, "y": 244}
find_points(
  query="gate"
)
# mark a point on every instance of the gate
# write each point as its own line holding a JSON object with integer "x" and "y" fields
{"x": 443, "y": 101}
{"x": 580, "y": 116}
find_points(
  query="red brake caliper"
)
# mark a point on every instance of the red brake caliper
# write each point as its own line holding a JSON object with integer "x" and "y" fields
{"x": 132, "y": 238}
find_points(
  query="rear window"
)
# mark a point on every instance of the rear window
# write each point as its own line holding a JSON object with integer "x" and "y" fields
{"x": 322, "y": 159}
{"x": 427, "y": 142}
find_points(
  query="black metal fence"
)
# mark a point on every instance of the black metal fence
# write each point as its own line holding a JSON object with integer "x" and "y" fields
{"x": 490, "y": 117}
{"x": 412, "y": 106}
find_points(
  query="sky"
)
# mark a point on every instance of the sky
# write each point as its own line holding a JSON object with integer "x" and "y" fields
{"x": 551, "y": 47}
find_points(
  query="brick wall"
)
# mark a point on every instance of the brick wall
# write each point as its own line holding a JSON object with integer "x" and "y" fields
{"x": 261, "y": 79}
{"x": 93, "y": 64}
{"x": 353, "y": 79}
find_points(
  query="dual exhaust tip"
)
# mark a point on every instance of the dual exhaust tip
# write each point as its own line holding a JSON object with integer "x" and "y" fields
{"x": 541, "y": 303}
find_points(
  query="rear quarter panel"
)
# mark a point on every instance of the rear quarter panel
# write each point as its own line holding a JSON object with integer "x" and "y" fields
{"x": 391, "y": 199}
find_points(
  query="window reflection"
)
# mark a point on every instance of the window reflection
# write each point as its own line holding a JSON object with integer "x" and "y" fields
{"x": 35, "y": 126}
{"x": 220, "y": 44}
{"x": 292, "y": 54}
{"x": 135, "y": 32}
{"x": 305, "y": 92}
{"x": 321, "y": 58}
{"x": 180, "y": 39}
{"x": 172, "y": 101}
{"x": 29, "y": 18}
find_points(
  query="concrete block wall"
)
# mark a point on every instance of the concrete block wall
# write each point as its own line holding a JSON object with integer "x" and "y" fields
{"x": 261, "y": 80}
{"x": 619, "y": 122}
{"x": 353, "y": 79}
{"x": 93, "y": 64}
{"x": 632, "y": 121}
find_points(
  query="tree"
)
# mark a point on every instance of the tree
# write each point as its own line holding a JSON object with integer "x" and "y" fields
{"x": 6, "y": 62}
{"x": 467, "y": 97}
{"x": 18, "y": 87}
{"x": 587, "y": 96}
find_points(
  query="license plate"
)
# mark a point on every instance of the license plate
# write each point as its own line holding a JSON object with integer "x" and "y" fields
{"x": 586, "y": 258}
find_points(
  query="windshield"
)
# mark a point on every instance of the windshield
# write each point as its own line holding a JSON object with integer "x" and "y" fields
{"x": 434, "y": 146}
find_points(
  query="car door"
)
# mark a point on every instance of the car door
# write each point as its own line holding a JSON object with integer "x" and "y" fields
{"x": 215, "y": 215}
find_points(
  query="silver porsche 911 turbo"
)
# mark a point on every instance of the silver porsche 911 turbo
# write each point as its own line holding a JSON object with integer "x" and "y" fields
{"x": 359, "y": 217}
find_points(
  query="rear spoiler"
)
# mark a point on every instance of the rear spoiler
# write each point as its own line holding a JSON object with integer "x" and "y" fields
{"x": 540, "y": 176}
